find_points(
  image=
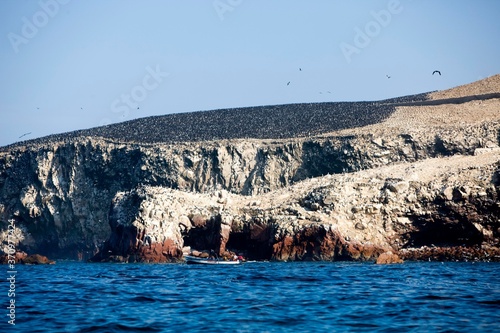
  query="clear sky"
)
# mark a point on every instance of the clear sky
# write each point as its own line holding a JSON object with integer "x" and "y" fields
{"x": 75, "y": 64}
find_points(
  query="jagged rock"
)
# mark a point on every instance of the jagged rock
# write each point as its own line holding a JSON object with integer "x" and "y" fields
{"x": 448, "y": 193}
{"x": 199, "y": 221}
{"x": 378, "y": 142}
{"x": 315, "y": 206}
{"x": 37, "y": 259}
{"x": 396, "y": 185}
{"x": 452, "y": 253}
{"x": 389, "y": 258}
{"x": 18, "y": 257}
{"x": 141, "y": 230}
{"x": 460, "y": 193}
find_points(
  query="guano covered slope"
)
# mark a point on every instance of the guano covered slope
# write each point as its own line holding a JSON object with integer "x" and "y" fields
{"x": 262, "y": 122}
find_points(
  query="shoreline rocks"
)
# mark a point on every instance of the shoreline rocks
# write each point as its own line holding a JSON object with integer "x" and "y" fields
{"x": 25, "y": 259}
{"x": 388, "y": 258}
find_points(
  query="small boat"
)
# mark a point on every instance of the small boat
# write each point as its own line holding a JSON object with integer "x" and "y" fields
{"x": 210, "y": 261}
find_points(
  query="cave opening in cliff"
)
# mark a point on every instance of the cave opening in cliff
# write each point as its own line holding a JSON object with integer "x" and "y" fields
{"x": 242, "y": 244}
{"x": 207, "y": 238}
{"x": 444, "y": 232}
{"x": 203, "y": 237}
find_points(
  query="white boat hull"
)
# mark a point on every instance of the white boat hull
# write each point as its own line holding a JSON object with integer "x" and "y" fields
{"x": 207, "y": 261}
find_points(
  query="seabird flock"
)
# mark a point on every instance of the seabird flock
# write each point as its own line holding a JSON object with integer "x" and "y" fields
{"x": 388, "y": 76}
{"x": 263, "y": 122}
{"x": 300, "y": 70}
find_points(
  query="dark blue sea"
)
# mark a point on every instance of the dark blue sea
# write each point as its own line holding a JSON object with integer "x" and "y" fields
{"x": 254, "y": 297}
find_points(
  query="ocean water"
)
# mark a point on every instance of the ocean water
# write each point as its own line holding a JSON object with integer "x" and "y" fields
{"x": 254, "y": 297}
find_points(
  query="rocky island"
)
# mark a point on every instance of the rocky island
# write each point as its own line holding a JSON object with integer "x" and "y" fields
{"x": 412, "y": 178}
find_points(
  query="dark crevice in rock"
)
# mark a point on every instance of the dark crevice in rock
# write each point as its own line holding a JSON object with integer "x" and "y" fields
{"x": 323, "y": 158}
{"x": 204, "y": 235}
{"x": 442, "y": 230}
{"x": 254, "y": 248}
{"x": 440, "y": 148}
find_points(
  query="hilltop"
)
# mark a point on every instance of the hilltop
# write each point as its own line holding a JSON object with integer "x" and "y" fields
{"x": 260, "y": 122}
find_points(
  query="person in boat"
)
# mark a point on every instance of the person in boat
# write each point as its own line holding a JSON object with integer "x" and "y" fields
{"x": 213, "y": 255}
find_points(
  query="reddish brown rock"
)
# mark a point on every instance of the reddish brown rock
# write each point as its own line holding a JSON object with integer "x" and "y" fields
{"x": 320, "y": 242}
{"x": 225, "y": 230}
{"x": 259, "y": 232}
{"x": 282, "y": 250}
{"x": 37, "y": 259}
{"x": 354, "y": 250}
{"x": 310, "y": 243}
{"x": 389, "y": 258}
{"x": 156, "y": 253}
{"x": 128, "y": 245}
{"x": 17, "y": 257}
{"x": 371, "y": 251}
{"x": 23, "y": 258}
{"x": 140, "y": 233}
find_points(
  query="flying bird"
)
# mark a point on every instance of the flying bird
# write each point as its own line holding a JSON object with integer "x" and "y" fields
{"x": 137, "y": 108}
{"x": 25, "y": 134}
{"x": 300, "y": 69}
{"x": 388, "y": 76}
{"x": 436, "y": 72}
{"x": 288, "y": 83}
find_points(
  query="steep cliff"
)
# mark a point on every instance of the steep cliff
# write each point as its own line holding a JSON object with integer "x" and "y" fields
{"x": 440, "y": 204}
{"x": 70, "y": 195}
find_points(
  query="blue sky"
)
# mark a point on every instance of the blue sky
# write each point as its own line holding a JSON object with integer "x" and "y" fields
{"x": 74, "y": 64}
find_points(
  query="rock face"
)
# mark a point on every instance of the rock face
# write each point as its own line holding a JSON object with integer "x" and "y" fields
{"x": 389, "y": 258}
{"x": 23, "y": 258}
{"x": 447, "y": 206}
{"x": 37, "y": 259}
{"x": 420, "y": 177}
